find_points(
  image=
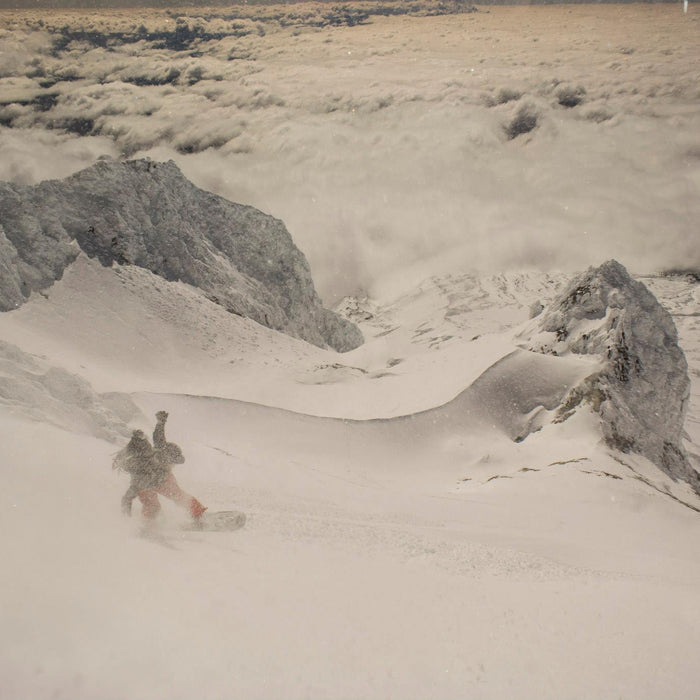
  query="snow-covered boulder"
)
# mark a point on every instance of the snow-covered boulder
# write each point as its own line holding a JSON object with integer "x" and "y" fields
{"x": 642, "y": 387}
{"x": 148, "y": 214}
{"x": 32, "y": 388}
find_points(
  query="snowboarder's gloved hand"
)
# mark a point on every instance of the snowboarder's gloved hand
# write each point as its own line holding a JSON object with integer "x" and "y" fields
{"x": 162, "y": 416}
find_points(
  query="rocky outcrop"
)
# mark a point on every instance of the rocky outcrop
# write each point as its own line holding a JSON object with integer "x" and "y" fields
{"x": 641, "y": 387}
{"x": 148, "y": 214}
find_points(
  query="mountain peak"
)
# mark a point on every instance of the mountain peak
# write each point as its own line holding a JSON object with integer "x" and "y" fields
{"x": 146, "y": 213}
{"x": 157, "y": 169}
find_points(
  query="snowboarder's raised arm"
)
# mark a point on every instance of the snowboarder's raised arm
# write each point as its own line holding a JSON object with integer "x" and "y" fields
{"x": 159, "y": 431}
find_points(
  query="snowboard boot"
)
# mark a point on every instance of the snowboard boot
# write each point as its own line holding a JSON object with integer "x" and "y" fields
{"x": 197, "y": 511}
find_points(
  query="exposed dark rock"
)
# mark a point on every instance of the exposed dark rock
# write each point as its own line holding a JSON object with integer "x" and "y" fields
{"x": 148, "y": 214}
{"x": 641, "y": 388}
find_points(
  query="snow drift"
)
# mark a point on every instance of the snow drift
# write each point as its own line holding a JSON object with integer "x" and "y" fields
{"x": 148, "y": 214}
{"x": 33, "y": 388}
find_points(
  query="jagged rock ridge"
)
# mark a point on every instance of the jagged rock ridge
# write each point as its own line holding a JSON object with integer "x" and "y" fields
{"x": 148, "y": 214}
{"x": 642, "y": 387}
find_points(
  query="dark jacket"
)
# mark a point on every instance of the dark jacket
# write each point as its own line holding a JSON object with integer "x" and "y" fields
{"x": 148, "y": 467}
{"x": 148, "y": 470}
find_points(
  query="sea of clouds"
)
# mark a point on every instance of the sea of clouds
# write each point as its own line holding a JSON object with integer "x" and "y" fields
{"x": 385, "y": 151}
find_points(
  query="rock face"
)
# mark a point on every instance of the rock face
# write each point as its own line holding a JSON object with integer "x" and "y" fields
{"x": 148, "y": 214}
{"x": 642, "y": 386}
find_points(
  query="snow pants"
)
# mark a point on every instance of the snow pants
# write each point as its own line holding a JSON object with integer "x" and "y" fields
{"x": 170, "y": 489}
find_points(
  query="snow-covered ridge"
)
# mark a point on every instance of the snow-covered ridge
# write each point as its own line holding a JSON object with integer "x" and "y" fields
{"x": 459, "y": 346}
{"x": 614, "y": 349}
{"x": 458, "y": 305}
{"x": 148, "y": 214}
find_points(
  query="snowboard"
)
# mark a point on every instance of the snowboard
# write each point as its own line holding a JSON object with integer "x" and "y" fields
{"x": 221, "y": 521}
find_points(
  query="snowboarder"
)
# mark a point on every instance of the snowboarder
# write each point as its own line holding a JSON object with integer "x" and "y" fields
{"x": 150, "y": 468}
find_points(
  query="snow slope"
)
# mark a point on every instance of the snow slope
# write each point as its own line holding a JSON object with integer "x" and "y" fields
{"x": 400, "y": 543}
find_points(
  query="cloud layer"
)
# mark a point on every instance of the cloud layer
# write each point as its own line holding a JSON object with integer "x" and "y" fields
{"x": 545, "y": 137}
